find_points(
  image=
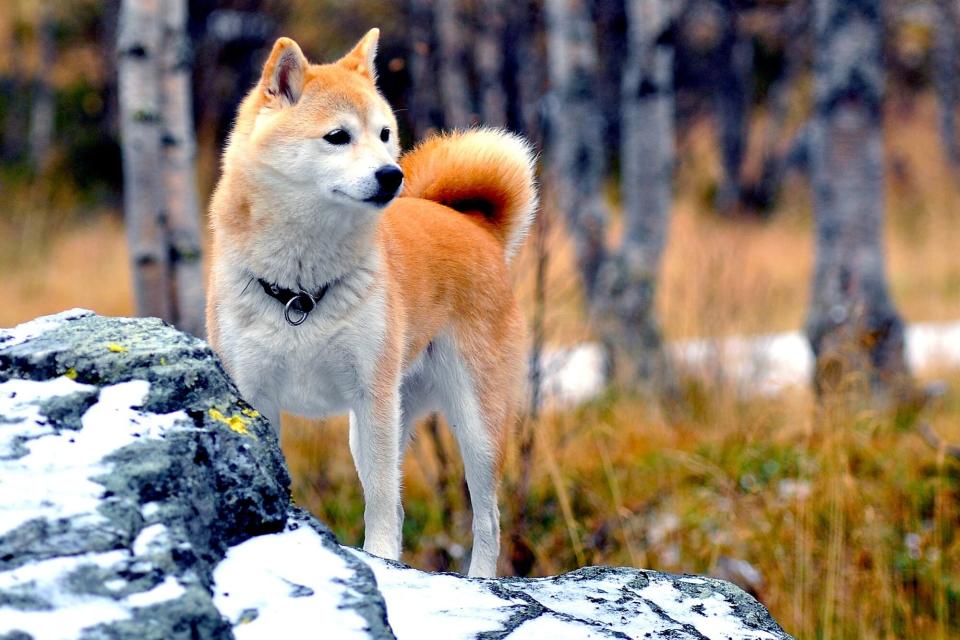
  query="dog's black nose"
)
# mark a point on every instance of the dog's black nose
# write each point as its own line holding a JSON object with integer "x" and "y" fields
{"x": 389, "y": 178}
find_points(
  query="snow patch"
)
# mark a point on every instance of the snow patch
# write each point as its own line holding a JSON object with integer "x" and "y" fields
{"x": 572, "y": 375}
{"x": 169, "y": 589}
{"x": 272, "y": 585}
{"x": 763, "y": 365}
{"x": 70, "y": 612}
{"x": 933, "y": 345}
{"x": 759, "y": 365}
{"x": 596, "y": 600}
{"x": 767, "y": 364}
{"x": 446, "y": 606}
{"x": 714, "y": 616}
{"x": 555, "y": 628}
{"x": 149, "y": 510}
{"x": 151, "y": 539}
{"x": 19, "y": 406}
{"x": 55, "y": 479}
{"x": 29, "y": 330}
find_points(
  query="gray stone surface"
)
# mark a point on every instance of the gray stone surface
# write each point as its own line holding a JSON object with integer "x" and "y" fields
{"x": 141, "y": 497}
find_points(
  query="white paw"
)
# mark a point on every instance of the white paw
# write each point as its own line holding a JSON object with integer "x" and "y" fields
{"x": 382, "y": 546}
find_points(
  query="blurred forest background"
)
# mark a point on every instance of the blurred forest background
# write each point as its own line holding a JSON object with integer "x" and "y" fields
{"x": 711, "y": 168}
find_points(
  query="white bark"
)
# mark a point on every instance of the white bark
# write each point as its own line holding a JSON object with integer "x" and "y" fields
{"x": 945, "y": 70}
{"x": 523, "y": 75}
{"x": 423, "y": 102}
{"x": 777, "y": 161}
{"x": 42, "y": 109}
{"x": 139, "y": 39}
{"x": 575, "y": 134}
{"x": 179, "y": 171}
{"x": 734, "y": 69}
{"x": 629, "y": 279}
{"x": 489, "y": 62}
{"x": 854, "y": 329}
{"x": 454, "y": 92}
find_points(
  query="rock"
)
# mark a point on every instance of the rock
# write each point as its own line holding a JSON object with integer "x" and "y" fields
{"x": 141, "y": 497}
{"x": 130, "y": 470}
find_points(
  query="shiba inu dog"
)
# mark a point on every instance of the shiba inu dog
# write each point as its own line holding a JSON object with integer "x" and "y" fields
{"x": 343, "y": 281}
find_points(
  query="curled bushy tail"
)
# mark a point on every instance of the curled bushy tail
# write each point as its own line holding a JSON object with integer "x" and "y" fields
{"x": 487, "y": 173}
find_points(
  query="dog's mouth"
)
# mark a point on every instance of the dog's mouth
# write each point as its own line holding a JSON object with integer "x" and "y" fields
{"x": 378, "y": 200}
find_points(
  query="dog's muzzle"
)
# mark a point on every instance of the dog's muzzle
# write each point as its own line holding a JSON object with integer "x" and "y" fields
{"x": 389, "y": 178}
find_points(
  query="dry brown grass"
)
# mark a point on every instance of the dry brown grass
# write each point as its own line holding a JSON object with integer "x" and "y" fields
{"x": 84, "y": 267}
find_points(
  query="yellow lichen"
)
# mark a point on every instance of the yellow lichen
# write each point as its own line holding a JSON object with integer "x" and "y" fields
{"x": 116, "y": 348}
{"x": 163, "y": 361}
{"x": 250, "y": 413}
{"x": 71, "y": 373}
{"x": 236, "y": 423}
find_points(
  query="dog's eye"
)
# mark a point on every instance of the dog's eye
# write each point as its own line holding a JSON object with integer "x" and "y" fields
{"x": 338, "y": 137}
{"x": 385, "y": 134}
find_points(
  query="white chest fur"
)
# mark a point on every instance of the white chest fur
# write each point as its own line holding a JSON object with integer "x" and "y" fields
{"x": 315, "y": 369}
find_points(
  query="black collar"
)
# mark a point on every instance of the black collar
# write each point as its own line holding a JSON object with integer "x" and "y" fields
{"x": 297, "y": 305}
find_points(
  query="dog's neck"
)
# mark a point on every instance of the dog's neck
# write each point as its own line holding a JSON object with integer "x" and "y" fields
{"x": 304, "y": 243}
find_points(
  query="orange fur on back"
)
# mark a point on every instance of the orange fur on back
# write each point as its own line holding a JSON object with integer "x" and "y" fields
{"x": 484, "y": 173}
{"x": 447, "y": 274}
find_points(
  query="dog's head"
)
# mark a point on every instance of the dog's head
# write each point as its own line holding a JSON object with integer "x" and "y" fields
{"x": 321, "y": 131}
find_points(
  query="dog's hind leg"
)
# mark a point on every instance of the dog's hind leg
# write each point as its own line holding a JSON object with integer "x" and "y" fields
{"x": 417, "y": 401}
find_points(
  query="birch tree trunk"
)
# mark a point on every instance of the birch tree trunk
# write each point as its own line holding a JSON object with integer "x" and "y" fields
{"x": 13, "y": 135}
{"x": 575, "y": 134}
{"x": 945, "y": 70}
{"x": 523, "y": 70}
{"x": 610, "y": 25}
{"x": 794, "y": 29}
{"x": 423, "y": 104}
{"x": 856, "y": 333}
{"x": 488, "y": 53}
{"x": 179, "y": 171}
{"x": 629, "y": 279}
{"x": 109, "y": 26}
{"x": 138, "y": 43}
{"x": 42, "y": 109}
{"x": 733, "y": 68}
{"x": 454, "y": 92}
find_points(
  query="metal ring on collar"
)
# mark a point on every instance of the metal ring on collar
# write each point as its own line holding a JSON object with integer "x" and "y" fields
{"x": 305, "y": 304}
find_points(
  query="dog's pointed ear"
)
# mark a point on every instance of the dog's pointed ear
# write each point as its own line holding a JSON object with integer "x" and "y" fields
{"x": 361, "y": 57}
{"x": 284, "y": 72}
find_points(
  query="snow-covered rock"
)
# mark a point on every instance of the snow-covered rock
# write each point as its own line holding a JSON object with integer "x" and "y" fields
{"x": 141, "y": 497}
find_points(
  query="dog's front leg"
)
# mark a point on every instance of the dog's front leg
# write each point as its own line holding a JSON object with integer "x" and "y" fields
{"x": 375, "y": 445}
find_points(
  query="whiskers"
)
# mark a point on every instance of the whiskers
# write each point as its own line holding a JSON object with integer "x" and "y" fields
{"x": 247, "y": 286}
